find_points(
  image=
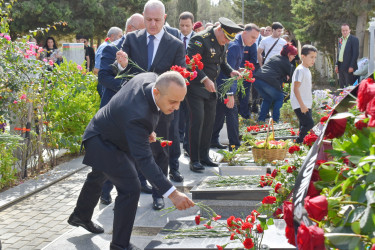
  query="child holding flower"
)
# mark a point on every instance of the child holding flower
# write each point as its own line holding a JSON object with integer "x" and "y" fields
{"x": 301, "y": 95}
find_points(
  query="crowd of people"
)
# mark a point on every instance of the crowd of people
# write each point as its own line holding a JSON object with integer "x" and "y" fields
{"x": 121, "y": 140}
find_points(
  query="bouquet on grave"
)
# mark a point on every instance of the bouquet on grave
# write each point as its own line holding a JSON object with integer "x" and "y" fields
{"x": 246, "y": 75}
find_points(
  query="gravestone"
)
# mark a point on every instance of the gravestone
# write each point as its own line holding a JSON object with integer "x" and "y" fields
{"x": 229, "y": 199}
{"x": 246, "y": 169}
{"x": 74, "y": 52}
{"x": 273, "y": 238}
{"x": 371, "y": 63}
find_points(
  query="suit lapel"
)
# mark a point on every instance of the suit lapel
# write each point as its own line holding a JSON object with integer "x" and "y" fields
{"x": 142, "y": 49}
{"x": 162, "y": 49}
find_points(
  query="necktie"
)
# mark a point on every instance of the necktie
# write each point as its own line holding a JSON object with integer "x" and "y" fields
{"x": 150, "y": 51}
{"x": 185, "y": 38}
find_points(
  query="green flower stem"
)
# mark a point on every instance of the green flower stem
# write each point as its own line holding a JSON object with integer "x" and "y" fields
{"x": 353, "y": 203}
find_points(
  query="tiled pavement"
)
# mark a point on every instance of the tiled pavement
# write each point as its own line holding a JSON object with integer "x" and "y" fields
{"x": 39, "y": 219}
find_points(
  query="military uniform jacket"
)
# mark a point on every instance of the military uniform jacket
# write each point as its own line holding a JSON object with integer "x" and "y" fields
{"x": 213, "y": 57}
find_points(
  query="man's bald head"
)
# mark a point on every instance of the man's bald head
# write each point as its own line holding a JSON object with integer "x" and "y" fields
{"x": 154, "y": 4}
{"x": 135, "y": 22}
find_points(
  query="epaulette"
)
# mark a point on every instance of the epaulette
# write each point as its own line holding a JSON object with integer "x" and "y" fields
{"x": 206, "y": 35}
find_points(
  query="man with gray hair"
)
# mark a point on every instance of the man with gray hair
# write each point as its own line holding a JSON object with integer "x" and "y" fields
{"x": 118, "y": 139}
{"x": 114, "y": 33}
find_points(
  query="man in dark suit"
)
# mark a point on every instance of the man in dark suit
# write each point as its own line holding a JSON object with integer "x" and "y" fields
{"x": 201, "y": 97}
{"x": 347, "y": 56}
{"x": 153, "y": 49}
{"x": 111, "y": 86}
{"x": 117, "y": 140}
{"x": 228, "y": 111}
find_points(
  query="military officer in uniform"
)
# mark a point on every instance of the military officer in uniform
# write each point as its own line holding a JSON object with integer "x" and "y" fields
{"x": 201, "y": 94}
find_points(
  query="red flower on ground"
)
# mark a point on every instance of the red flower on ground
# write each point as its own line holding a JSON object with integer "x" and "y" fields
{"x": 288, "y": 213}
{"x": 218, "y": 217}
{"x": 255, "y": 213}
{"x": 208, "y": 226}
{"x": 248, "y": 243}
{"x": 278, "y": 213}
{"x": 274, "y": 173}
{"x": 230, "y": 221}
{"x": 316, "y": 207}
{"x": 289, "y": 234}
{"x": 310, "y": 139}
{"x": 293, "y": 149}
{"x": 324, "y": 119}
{"x": 366, "y": 93}
{"x": 197, "y": 219}
{"x": 232, "y": 236}
{"x": 311, "y": 237}
{"x": 370, "y": 110}
{"x": 277, "y": 187}
{"x": 219, "y": 247}
{"x": 269, "y": 200}
{"x": 259, "y": 229}
{"x": 250, "y": 218}
{"x": 291, "y": 169}
{"x": 292, "y": 133}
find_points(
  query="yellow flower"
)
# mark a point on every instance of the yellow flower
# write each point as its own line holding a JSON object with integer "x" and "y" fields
{"x": 233, "y": 146}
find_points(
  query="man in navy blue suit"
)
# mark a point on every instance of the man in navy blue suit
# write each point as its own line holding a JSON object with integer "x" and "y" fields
{"x": 347, "y": 56}
{"x": 111, "y": 86}
{"x": 117, "y": 141}
{"x": 155, "y": 50}
{"x": 229, "y": 111}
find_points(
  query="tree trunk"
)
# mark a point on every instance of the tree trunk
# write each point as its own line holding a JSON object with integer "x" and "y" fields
{"x": 361, "y": 26}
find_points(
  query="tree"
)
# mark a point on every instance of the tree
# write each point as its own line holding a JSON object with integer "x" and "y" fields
{"x": 187, "y": 5}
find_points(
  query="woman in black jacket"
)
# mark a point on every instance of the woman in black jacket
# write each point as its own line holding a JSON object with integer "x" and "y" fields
{"x": 269, "y": 79}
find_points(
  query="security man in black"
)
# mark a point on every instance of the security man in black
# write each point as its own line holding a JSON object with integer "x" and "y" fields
{"x": 201, "y": 94}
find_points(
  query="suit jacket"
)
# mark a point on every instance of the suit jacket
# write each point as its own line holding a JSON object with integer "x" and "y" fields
{"x": 173, "y": 31}
{"x": 126, "y": 130}
{"x": 351, "y": 53}
{"x": 213, "y": 58}
{"x": 106, "y": 76}
{"x": 170, "y": 52}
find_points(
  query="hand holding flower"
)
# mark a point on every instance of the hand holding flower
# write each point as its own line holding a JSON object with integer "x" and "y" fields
{"x": 122, "y": 58}
{"x": 180, "y": 200}
{"x": 152, "y": 137}
{"x": 230, "y": 102}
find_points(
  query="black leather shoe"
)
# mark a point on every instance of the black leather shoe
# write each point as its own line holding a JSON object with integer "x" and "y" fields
{"x": 158, "y": 203}
{"x": 106, "y": 201}
{"x": 208, "y": 162}
{"x": 89, "y": 225}
{"x": 176, "y": 176}
{"x": 218, "y": 145}
{"x": 196, "y": 167}
{"x": 147, "y": 189}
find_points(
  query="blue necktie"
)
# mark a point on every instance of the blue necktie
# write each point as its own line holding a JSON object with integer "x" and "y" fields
{"x": 150, "y": 51}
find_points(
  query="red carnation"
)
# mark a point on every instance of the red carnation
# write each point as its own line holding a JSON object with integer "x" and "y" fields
{"x": 269, "y": 200}
{"x": 246, "y": 225}
{"x": 107, "y": 39}
{"x": 248, "y": 243}
{"x": 163, "y": 144}
{"x": 366, "y": 93}
{"x": 320, "y": 162}
{"x": 170, "y": 143}
{"x": 230, "y": 221}
{"x": 311, "y": 237}
{"x": 360, "y": 125}
{"x": 218, "y": 217}
{"x": 208, "y": 226}
{"x": 274, "y": 173}
{"x": 200, "y": 65}
{"x": 316, "y": 207}
{"x": 315, "y": 175}
{"x": 277, "y": 187}
{"x": 226, "y": 100}
{"x": 250, "y": 218}
{"x": 288, "y": 213}
{"x": 323, "y": 119}
{"x": 291, "y": 169}
{"x": 187, "y": 60}
{"x": 197, "y": 219}
{"x": 310, "y": 139}
{"x": 278, "y": 213}
{"x": 370, "y": 110}
{"x": 232, "y": 236}
{"x": 255, "y": 213}
{"x": 293, "y": 149}
{"x": 289, "y": 234}
{"x": 219, "y": 247}
{"x": 259, "y": 229}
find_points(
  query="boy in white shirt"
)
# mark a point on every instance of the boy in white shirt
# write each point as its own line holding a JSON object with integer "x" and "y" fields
{"x": 301, "y": 94}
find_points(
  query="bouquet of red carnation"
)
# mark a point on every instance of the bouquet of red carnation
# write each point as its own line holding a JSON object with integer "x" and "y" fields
{"x": 246, "y": 74}
{"x": 185, "y": 73}
{"x": 194, "y": 62}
